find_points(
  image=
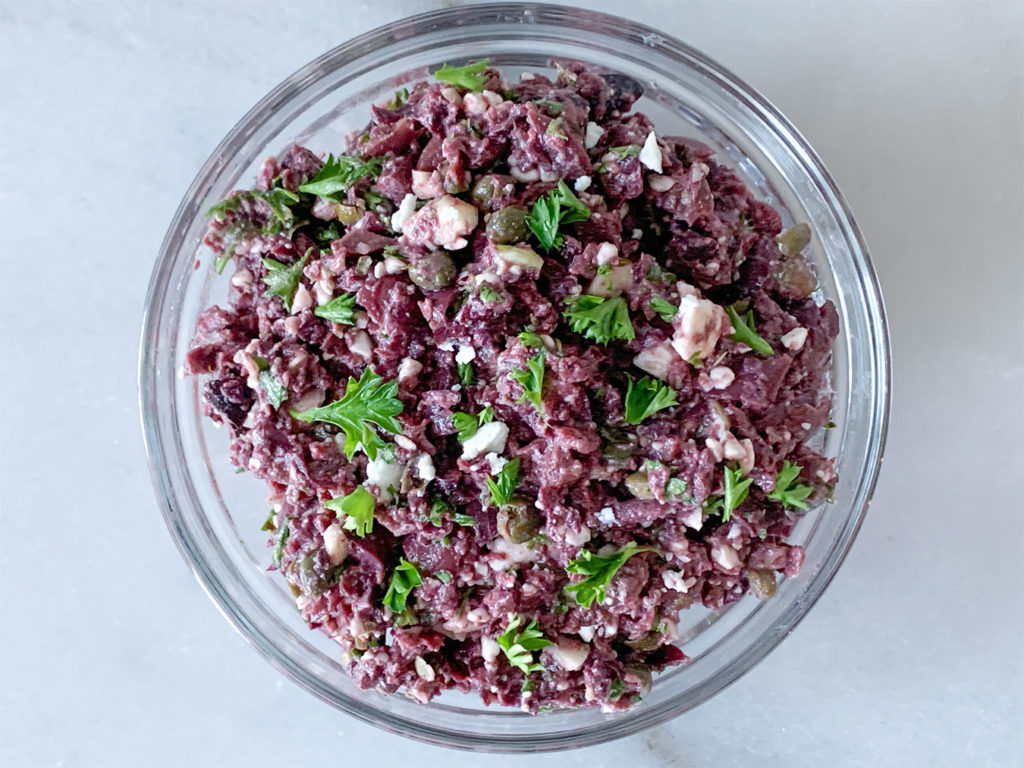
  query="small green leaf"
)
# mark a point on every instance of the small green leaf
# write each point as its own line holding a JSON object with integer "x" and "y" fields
{"x": 787, "y": 490}
{"x": 531, "y": 339}
{"x": 599, "y": 318}
{"x": 469, "y": 76}
{"x": 666, "y": 310}
{"x": 282, "y": 539}
{"x": 283, "y": 279}
{"x": 518, "y": 644}
{"x": 531, "y": 380}
{"x": 357, "y": 507}
{"x": 743, "y": 332}
{"x": 464, "y": 520}
{"x": 404, "y": 579}
{"x": 736, "y": 488}
{"x": 645, "y": 398}
{"x": 676, "y": 486}
{"x": 488, "y": 293}
{"x": 555, "y": 209}
{"x": 598, "y": 571}
{"x": 340, "y": 309}
{"x": 339, "y": 174}
{"x": 401, "y": 97}
{"x": 466, "y": 374}
{"x": 275, "y": 391}
{"x": 445, "y": 577}
{"x": 504, "y": 484}
{"x": 466, "y": 425}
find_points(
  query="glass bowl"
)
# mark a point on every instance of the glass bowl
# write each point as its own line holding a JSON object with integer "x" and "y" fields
{"x": 215, "y": 515}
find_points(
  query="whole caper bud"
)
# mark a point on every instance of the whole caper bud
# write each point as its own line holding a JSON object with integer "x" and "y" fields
{"x": 519, "y": 521}
{"x": 432, "y": 272}
{"x": 508, "y": 225}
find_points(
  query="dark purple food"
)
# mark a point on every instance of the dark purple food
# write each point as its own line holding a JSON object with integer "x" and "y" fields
{"x": 526, "y": 380}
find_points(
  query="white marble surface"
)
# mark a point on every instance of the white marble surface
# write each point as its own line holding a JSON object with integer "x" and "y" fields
{"x": 110, "y": 653}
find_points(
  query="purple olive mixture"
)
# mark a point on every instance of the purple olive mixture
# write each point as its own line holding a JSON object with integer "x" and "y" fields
{"x": 526, "y": 379}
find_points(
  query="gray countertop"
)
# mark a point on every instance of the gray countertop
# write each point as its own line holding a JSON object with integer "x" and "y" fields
{"x": 110, "y": 653}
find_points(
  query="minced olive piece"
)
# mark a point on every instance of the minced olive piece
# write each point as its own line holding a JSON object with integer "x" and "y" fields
{"x": 348, "y": 214}
{"x": 432, "y": 272}
{"x": 762, "y": 582}
{"x": 639, "y": 672}
{"x": 639, "y": 486}
{"x": 519, "y": 521}
{"x": 508, "y": 225}
{"x": 649, "y": 642}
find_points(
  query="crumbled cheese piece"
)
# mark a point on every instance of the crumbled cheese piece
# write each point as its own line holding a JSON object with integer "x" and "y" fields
{"x": 606, "y": 516}
{"x": 409, "y": 368}
{"x": 466, "y": 354}
{"x": 721, "y": 376}
{"x": 661, "y": 183}
{"x": 617, "y": 279}
{"x": 650, "y": 155}
{"x": 423, "y": 669}
{"x": 582, "y": 184}
{"x": 425, "y": 468}
{"x": 452, "y": 95}
{"x": 386, "y": 476}
{"x": 578, "y": 539}
{"x": 474, "y": 103}
{"x": 404, "y": 442}
{"x": 594, "y": 134}
{"x": 805, "y": 425}
{"x": 489, "y": 438}
{"x": 393, "y": 265}
{"x": 405, "y": 209}
{"x": 241, "y": 277}
{"x": 794, "y": 340}
{"x": 586, "y": 633}
{"x": 606, "y": 253}
{"x": 675, "y": 580}
{"x": 447, "y": 346}
{"x": 495, "y": 462}
{"x": 336, "y": 543}
{"x": 303, "y": 299}
{"x": 379, "y": 270}
{"x": 656, "y": 360}
{"x": 568, "y": 654}
{"x": 361, "y": 344}
{"x": 526, "y": 76}
{"x": 504, "y": 552}
{"x": 698, "y": 326}
{"x": 726, "y": 557}
{"x": 526, "y": 176}
{"x": 489, "y": 649}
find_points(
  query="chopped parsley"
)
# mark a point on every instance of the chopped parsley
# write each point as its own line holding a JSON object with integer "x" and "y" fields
{"x": 438, "y": 508}
{"x": 555, "y": 128}
{"x": 743, "y": 331}
{"x": 282, "y": 539}
{"x": 787, "y": 490}
{"x": 275, "y": 391}
{"x": 469, "y": 76}
{"x": 370, "y": 400}
{"x": 340, "y": 309}
{"x": 531, "y": 380}
{"x": 554, "y": 108}
{"x": 518, "y": 644}
{"x": 666, "y": 310}
{"x": 598, "y": 571}
{"x": 531, "y": 339}
{"x": 461, "y": 518}
{"x": 358, "y": 509}
{"x": 401, "y": 97}
{"x": 676, "y": 486}
{"x": 339, "y": 174}
{"x": 466, "y": 374}
{"x": 629, "y": 150}
{"x": 466, "y": 424}
{"x": 445, "y": 577}
{"x": 283, "y": 279}
{"x": 599, "y": 318}
{"x": 404, "y": 579}
{"x": 736, "y": 488}
{"x": 503, "y": 485}
{"x": 555, "y": 209}
{"x": 645, "y": 398}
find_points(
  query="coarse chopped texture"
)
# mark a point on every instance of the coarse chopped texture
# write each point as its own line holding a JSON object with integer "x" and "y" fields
{"x": 526, "y": 379}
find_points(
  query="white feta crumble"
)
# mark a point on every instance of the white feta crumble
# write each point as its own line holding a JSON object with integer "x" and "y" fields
{"x": 447, "y": 346}
{"x": 661, "y": 183}
{"x": 586, "y": 633}
{"x": 805, "y": 426}
{"x": 425, "y": 468}
{"x": 466, "y": 354}
{"x": 594, "y": 134}
{"x": 303, "y": 299}
{"x": 423, "y": 669}
{"x": 578, "y": 539}
{"x": 336, "y": 543}
{"x": 409, "y": 368}
{"x": 721, "y": 376}
{"x": 656, "y": 360}
{"x": 582, "y": 184}
{"x": 606, "y": 253}
{"x": 650, "y": 155}
{"x": 489, "y": 438}
{"x": 606, "y": 516}
{"x": 568, "y": 654}
{"x": 489, "y": 649}
{"x": 405, "y": 209}
{"x": 361, "y": 344}
{"x": 726, "y": 557}
{"x": 698, "y": 324}
{"x": 404, "y": 442}
{"x": 386, "y": 476}
{"x": 495, "y": 462}
{"x": 795, "y": 339}
{"x": 675, "y": 580}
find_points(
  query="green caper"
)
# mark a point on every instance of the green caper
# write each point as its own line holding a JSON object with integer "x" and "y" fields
{"x": 795, "y": 277}
{"x": 652, "y": 641}
{"x": 486, "y": 188}
{"x": 432, "y": 272}
{"x": 519, "y": 521}
{"x": 762, "y": 582}
{"x": 640, "y": 673}
{"x": 508, "y": 225}
{"x": 348, "y": 214}
{"x": 637, "y": 484}
{"x": 794, "y": 239}
{"x": 309, "y": 579}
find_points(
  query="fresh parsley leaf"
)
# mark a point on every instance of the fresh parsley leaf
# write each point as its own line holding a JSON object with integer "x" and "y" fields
{"x": 275, "y": 391}
{"x": 787, "y": 489}
{"x": 599, "y": 318}
{"x": 327, "y": 234}
{"x": 518, "y": 644}
{"x": 486, "y": 415}
{"x": 404, "y": 579}
{"x": 340, "y": 309}
{"x": 372, "y": 201}
{"x": 676, "y": 486}
{"x": 401, "y": 97}
{"x": 555, "y": 209}
{"x": 645, "y": 398}
{"x": 503, "y": 485}
{"x": 489, "y": 293}
{"x": 554, "y": 108}
{"x": 461, "y": 518}
{"x": 629, "y": 150}
{"x": 531, "y": 339}
{"x": 616, "y": 689}
{"x": 445, "y": 577}
{"x": 283, "y": 279}
{"x": 466, "y": 374}
{"x": 743, "y": 331}
{"x": 598, "y": 572}
{"x": 531, "y": 380}
{"x": 279, "y": 200}
{"x": 736, "y": 489}
{"x": 268, "y": 524}
{"x": 282, "y": 539}
{"x": 340, "y": 173}
{"x": 437, "y": 509}
{"x": 370, "y": 400}
{"x": 658, "y": 274}
{"x": 465, "y": 425}
{"x": 555, "y": 128}
{"x": 469, "y": 76}
{"x": 358, "y": 509}
{"x": 666, "y": 310}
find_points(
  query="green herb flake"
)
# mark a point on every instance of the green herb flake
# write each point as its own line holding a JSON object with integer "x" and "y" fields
{"x": 787, "y": 490}
{"x": 275, "y": 391}
{"x": 743, "y": 331}
{"x": 599, "y": 318}
{"x": 401, "y": 97}
{"x": 645, "y": 398}
{"x": 340, "y": 309}
{"x": 531, "y": 339}
{"x": 283, "y": 279}
{"x": 488, "y": 293}
{"x": 357, "y": 507}
{"x": 466, "y": 374}
{"x": 518, "y": 644}
{"x": 616, "y": 689}
{"x": 339, "y": 174}
{"x": 531, "y": 380}
{"x": 666, "y": 310}
{"x": 553, "y": 108}
{"x": 404, "y": 579}
{"x": 598, "y": 572}
{"x": 445, "y": 577}
{"x": 736, "y": 489}
{"x": 503, "y": 485}
{"x": 675, "y": 487}
{"x": 555, "y": 129}
{"x": 282, "y": 540}
{"x": 268, "y": 524}
{"x": 437, "y": 509}
{"x": 370, "y": 400}
{"x": 555, "y": 209}
{"x": 469, "y": 76}
{"x": 630, "y": 150}
{"x": 466, "y": 425}
{"x": 465, "y": 520}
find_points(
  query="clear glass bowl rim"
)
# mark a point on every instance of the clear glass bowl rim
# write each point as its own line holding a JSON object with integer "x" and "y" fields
{"x": 153, "y": 368}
